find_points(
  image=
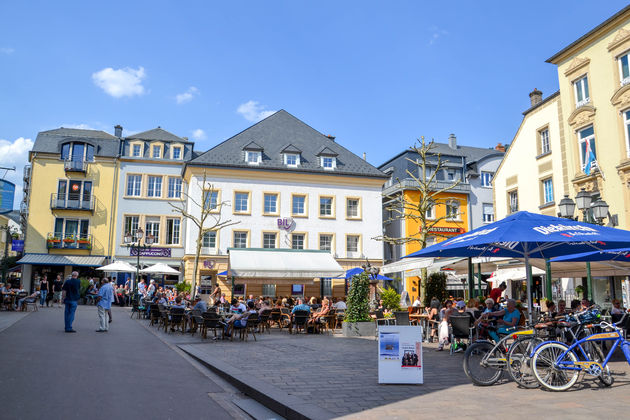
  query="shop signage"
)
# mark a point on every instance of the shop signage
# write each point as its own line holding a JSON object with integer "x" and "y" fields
{"x": 17, "y": 245}
{"x": 209, "y": 264}
{"x": 444, "y": 229}
{"x": 150, "y": 252}
{"x": 286, "y": 223}
{"x": 400, "y": 355}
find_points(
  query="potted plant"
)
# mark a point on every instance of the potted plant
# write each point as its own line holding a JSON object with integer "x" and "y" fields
{"x": 357, "y": 321}
{"x": 579, "y": 289}
{"x": 68, "y": 239}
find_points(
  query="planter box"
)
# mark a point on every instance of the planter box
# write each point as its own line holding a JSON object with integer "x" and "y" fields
{"x": 359, "y": 329}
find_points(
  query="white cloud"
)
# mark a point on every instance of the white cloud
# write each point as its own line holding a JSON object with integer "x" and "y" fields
{"x": 199, "y": 134}
{"x": 253, "y": 111}
{"x": 6, "y": 50}
{"x": 15, "y": 154}
{"x": 79, "y": 126}
{"x": 182, "y": 98}
{"x": 121, "y": 82}
{"x": 436, "y": 33}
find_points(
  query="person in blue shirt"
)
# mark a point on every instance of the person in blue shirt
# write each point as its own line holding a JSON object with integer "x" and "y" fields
{"x": 510, "y": 316}
{"x": 301, "y": 306}
{"x": 105, "y": 299}
{"x": 70, "y": 294}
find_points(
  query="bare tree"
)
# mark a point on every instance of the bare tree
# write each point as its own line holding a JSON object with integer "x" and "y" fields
{"x": 208, "y": 220}
{"x": 400, "y": 208}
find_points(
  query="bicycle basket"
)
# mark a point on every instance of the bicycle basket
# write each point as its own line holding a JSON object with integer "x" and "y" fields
{"x": 590, "y": 316}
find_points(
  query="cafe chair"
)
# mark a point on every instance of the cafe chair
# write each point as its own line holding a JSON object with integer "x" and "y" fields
{"x": 462, "y": 328}
{"x": 251, "y": 324}
{"x": 300, "y": 319}
{"x": 402, "y": 318}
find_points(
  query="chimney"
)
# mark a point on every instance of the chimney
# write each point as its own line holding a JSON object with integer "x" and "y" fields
{"x": 500, "y": 147}
{"x": 118, "y": 130}
{"x": 331, "y": 137}
{"x": 535, "y": 97}
{"x": 364, "y": 156}
{"x": 452, "y": 141}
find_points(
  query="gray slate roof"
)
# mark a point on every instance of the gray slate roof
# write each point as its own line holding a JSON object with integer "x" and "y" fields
{"x": 273, "y": 134}
{"x": 471, "y": 154}
{"x": 50, "y": 141}
{"x": 157, "y": 134}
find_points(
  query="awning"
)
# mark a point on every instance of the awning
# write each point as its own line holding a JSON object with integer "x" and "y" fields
{"x": 406, "y": 264}
{"x": 578, "y": 269}
{"x": 488, "y": 264}
{"x": 517, "y": 273}
{"x": 47, "y": 259}
{"x": 282, "y": 264}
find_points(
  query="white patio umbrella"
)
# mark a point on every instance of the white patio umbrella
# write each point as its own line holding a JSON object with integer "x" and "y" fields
{"x": 160, "y": 268}
{"x": 118, "y": 267}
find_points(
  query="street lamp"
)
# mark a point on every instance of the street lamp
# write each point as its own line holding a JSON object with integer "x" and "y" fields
{"x": 600, "y": 210}
{"x": 583, "y": 200}
{"x": 135, "y": 244}
{"x": 566, "y": 207}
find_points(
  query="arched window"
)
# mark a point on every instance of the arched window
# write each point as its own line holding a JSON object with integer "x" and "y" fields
{"x": 77, "y": 152}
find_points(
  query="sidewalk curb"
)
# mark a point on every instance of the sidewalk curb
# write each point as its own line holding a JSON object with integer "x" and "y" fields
{"x": 288, "y": 406}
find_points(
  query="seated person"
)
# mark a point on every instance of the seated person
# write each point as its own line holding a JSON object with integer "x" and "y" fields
{"x": 585, "y": 304}
{"x": 162, "y": 300}
{"x": 562, "y": 309}
{"x": 178, "y": 303}
{"x": 200, "y": 304}
{"x": 301, "y": 306}
{"x": 320, "y": 315}
{"x": 616, "y": 309}
{"x": 507, "y": 322}
{"x": 551, "y": 310}
{"x": 264, "y": 306}
{"x": 30, "y": 299}
{"x": 239, "y": 319}
{"x": 237, "y": 307}
{"x": 340, "y": 305}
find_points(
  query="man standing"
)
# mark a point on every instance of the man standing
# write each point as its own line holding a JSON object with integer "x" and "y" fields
{"x": 57, "y": 284}
{"x": 70, "y": 292}
{"x": 105, "y": 299}
{"x": 495, "y": 294}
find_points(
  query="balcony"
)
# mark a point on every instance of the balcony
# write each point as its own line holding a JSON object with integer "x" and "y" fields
{"x": 461, "y": 188}
{"x": 71, "y": 202}
{"x": 73, "y": 165}
{"x": 68, "y": 241}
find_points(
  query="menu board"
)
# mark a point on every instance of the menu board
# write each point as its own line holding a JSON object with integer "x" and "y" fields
{"x": 400, "y": 354}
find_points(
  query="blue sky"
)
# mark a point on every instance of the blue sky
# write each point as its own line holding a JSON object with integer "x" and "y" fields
{"x": 375, "y": 74}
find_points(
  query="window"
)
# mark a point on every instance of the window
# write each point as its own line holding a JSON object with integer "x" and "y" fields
{"x": 291, "y": 159}
{"x": 626, "y": 122}
{"x": 624, "y": 69}
{"x": 131, "y": 225}
{"x": 544, "y": 141}
{"x": 72, "y": 229}
{"x": 452, "y": 175}
{"x": 430, "y": 214}
{"x": 298, "y": 206}
{"x": 297, "y": 290}
{"x": 77, "y": 152}
{"x": 136, "y": 150}
{"x": 352, "y": 243}
{"x": 488, "y": 213}
{"x": 297, "y": 241}
{"x": 240, "y": 239}
{"x": 513, "y": 200}
{"x": 134, "y": 184}
{"x": 253, "y": 158}
{"x": 547, "y": 191}
{"x": 352, "y": 208}
{"x": 156, "y": 151}
{"x": 269, "y": 240}
{"x": 588, "y": 154}
{"x": 269, "y": 290}
{"x": 486, "y": 179}
{"x": 326, "y": 206}
{"x": 154, "y": 186}
{"x": 325, "y": 242}
{"x": 582, "y": 96}
{"x": 270, "y": 204}
{"x": 152, "y": 227}
{"x": 177, "y": 152}
{"x": 328, "y": 162}
{"x": 172, "y": 231}
{"x": 174, "y": 188}
{"x": 73, "y": 194}
{"x": 239, "y": 290}
{"x": 241, "y": 202}
{"x": 212, "y": 200}
{"x": 326, "y": 286}
{"x": 209, "y": 239}
{"x": 452, "y": 210}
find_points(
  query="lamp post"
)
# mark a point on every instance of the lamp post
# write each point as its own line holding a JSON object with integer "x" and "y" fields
{"x": 134, "y": 242}
{"x": 592, "y": 212}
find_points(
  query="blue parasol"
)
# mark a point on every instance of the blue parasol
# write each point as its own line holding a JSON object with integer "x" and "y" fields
{"x": 358, "y": 270}
{"x": 621, "y": 254}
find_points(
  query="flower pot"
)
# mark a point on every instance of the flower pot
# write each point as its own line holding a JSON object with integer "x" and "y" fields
{"x": 359, "y": 329}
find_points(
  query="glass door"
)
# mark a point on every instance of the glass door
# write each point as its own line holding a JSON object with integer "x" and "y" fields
{"x": 74, "y": 194}
{"x": 87, "y": 195}
{"x": 61, "y": 193}
{"x": 70, "y": 232}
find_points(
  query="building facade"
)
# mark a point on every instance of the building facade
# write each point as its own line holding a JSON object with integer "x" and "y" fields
{"x": 286, "y": 186}
{"x": 465, "y": 174}
{"x": 71, "y": 202}
{"x": 149, "y": 181}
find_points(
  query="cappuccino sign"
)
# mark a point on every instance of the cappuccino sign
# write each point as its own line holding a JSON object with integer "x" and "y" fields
{"x": 286, "y": 223}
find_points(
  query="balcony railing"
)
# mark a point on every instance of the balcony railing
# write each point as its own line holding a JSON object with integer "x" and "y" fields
{"x": 73, "y": 165}
{"x": 27, "y": 173}
{"x": 68, "y": 241}
{"x": 71, "y": 202}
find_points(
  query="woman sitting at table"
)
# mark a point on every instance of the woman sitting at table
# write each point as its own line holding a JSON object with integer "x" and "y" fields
{"x": 320, "y": 313}
{"x": 240, "y": 319}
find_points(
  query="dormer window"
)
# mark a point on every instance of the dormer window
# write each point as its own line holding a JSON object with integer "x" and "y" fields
{"x": 77, "y": 152}
{"x": 291, "y": 159}
{"x": 176, "y": 152}
{"x": 156, "y": 151}
{"x": 136, "y": 150}
{"x": 253, "y": 157}
{"x": 328, "y": 162}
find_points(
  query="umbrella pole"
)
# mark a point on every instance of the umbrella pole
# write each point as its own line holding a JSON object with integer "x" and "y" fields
{"x": 471, "y": 286}
{"x": 528, "y": 279}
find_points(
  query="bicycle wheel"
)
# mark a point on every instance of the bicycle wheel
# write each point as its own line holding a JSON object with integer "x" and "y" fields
{"x": 545, "y": 367}
{"x": 519, "y": 362}
{"x": 480, "y": 372}
{"x": 597, "y": 355}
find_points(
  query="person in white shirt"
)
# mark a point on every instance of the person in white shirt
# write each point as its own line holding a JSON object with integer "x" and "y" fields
{"x": 616, "y": 309}
{"x": 340, "y": 305}
{"x": 416, "y": 303}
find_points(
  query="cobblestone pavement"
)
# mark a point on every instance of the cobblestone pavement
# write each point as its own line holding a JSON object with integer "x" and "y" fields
{"x": 340, "y": 375}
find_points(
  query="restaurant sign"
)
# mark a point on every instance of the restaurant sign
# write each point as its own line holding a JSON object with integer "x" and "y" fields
{"x": 150, "y": 252}
{"x": 447, "y": 230}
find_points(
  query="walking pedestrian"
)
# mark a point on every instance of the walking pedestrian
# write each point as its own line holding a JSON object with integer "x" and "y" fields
{"x": 43, "y": 290}
{"x": 57, "y": 286}
{"x": 71, "y": 292}
{"x": 105, "y": 299}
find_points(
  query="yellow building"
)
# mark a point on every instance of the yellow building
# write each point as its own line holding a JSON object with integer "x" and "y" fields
{"x": 594, "y": 79}
{"x": 71, "y": 202}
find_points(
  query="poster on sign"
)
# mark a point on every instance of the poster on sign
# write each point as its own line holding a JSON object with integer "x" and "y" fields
{"x": 400, "y": 355}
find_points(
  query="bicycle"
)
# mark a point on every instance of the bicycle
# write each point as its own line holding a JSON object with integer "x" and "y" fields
{"x": 557, "y": 365}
